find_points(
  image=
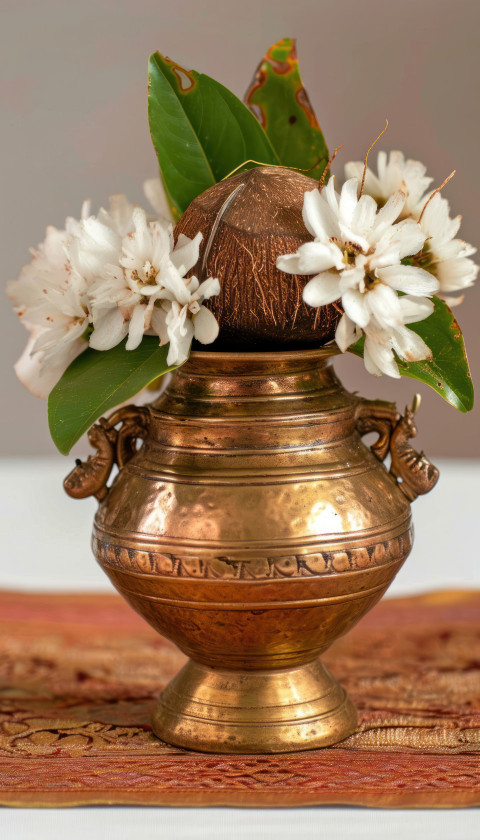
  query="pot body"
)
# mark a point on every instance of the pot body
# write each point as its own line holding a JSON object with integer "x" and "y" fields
{"x": 253, "y": 527}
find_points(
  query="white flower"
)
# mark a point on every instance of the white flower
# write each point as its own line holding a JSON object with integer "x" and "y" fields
{"x": 50, "y": 297}
{"x": 114, "y": 271}
{"x": 356, "y": 257}
{"x": 445, "y": 256}
{"x": 96, "y": 243}
{"x": 144, "y": 290}
{"x": 394, "y": 173}
{"x": 52, "y": 294}
{"x": 381, "y": 345}
{"x": 179, "y": 324}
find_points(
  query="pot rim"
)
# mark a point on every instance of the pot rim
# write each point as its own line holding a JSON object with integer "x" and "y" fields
{"x": 324, "y": 352}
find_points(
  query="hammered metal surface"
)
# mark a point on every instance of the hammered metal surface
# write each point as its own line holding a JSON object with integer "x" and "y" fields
{"x": 253, "y": 527}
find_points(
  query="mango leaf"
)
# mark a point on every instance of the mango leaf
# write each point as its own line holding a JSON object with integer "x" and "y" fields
{"x": 200, "y": 130}
{"x": 448, "y": 373}
{"x": 97, "y": 381}
{"x": 280, "y": 102}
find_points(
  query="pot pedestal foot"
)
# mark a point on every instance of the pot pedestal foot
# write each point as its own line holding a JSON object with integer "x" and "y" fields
{"x": 285, "y": 710}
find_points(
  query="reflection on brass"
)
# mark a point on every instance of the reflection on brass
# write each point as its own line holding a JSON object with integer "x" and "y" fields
{"x": 243, "y": 710}
{"x": 253, "y": 527}
{"x": 417, "y": 474}
{"x": 89, "y": 478}
{"x": 414, "y": 472}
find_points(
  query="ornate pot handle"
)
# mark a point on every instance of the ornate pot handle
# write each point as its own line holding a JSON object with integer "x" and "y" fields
{"x": 114, "y": 446}
{"x": 414, "y": 473}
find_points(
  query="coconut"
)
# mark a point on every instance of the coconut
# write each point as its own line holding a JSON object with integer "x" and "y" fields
{"x": 247, "y": 221}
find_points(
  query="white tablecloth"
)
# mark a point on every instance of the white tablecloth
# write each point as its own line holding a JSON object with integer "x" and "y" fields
{"x": 45, "y": 539}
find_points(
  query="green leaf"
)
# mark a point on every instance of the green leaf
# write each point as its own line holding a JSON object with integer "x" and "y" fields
{"x": 448, "y": 373}
{"x": 280, "y": 102}
{"x": 97, "y": 381}
{"x": 201, "y": 131}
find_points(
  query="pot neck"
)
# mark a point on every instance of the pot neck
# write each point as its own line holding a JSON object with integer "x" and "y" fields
{"x": 258, "y": 364}
{"x": 228, "y": 384}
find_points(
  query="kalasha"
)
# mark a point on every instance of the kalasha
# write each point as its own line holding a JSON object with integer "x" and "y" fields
{"x": 247, "y": 221}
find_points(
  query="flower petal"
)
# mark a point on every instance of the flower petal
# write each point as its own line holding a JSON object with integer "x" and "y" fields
{"x": 436, "y": 221}
{"x": 180, "y": 331}
{"x": 290, "y": 263}
{"x": 209, "y": 288}
{"x": 409, "y": 346}
{"x": 364, "y": 215}
{"x": 409, "y": 279}
{"x": 409, "y": 238}
{"x": 356, "y": 307}
{"x": 40, "y": 380}
{"x": 330, "y": 195}
{"x": 456, "y": 274}
{"x": 380, "y": 355}
{"x": 370, "y": 365}
{"x": 454, "y": 249}
{"x": 175, "y": 284}
{"x": 136, "y": 327}
{"x": 346, "y": 333}
{"x": 383, "y": 304}
{"x": 316, "y": 257}
{"x": 109, "y": 329}
{"x": 120, "y": 212}
{"x": 159, "y": 325}
{"x": 354, "y": 169}
{"x": 452, "y": 301}
{"x": 185, "y": 255}
{"x": 205, "y": 326}
{"x": 318, "y": 216}
{"x": 415, "y": 309}
{"x": 142, "y": 236}
{"x": 348, "y": 200}
{"x": 387, "y": 215}
{"x": 322, "y": 289}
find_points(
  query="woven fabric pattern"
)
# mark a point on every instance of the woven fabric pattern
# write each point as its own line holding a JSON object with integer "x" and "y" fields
{"x": 79, "y": 675}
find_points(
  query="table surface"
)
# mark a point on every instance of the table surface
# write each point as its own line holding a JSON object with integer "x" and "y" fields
{"x": 46, "y": 547}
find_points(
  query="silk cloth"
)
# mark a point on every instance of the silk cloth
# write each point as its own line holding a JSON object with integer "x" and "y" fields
{"x": 79, "y": 675}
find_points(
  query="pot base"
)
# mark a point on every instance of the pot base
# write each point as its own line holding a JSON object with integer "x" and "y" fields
{"x": 222, "y": 711}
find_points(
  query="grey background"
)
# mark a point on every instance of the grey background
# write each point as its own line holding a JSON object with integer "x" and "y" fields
{"x": 73, "y": 86}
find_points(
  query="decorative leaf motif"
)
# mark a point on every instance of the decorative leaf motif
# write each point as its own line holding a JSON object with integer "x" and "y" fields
{"x": 280, "y": 102}
{"x": 200, "y": 130}
{"x": 448, "y": 373}
{"x": 97, "y": 381}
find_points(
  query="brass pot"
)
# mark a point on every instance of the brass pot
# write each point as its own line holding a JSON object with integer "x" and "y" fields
{"x": 253, "y": 527}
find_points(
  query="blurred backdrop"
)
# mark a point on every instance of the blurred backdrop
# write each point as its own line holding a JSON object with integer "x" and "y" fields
{"x": 74, "y": 100}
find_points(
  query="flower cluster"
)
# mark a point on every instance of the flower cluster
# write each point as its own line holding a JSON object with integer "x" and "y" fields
{"x": 445, "y": 256}
{"x": 105, "y": 278}
{"x": 382, "y": 248}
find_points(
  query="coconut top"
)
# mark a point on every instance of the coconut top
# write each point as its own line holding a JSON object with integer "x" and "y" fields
{"x": 247, "y": 221}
